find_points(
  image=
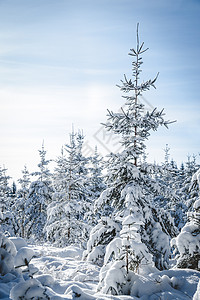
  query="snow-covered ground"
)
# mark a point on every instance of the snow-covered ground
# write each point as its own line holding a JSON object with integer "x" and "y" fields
{"x": 64, "y": 275}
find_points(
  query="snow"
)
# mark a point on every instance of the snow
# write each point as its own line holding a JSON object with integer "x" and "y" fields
{"x": 196, "y": 205}
{"x": 129, "y": 220}
{"x": 63, "y": 275}
{"x": 23, "y": 257}
{"x": 29, "y": 289}
{"x": 7, "y": 253}
{"x": 18, "y": 242}
{"x": 197, "y": 294}
{"x": 170, "y": 284}
{"x": 113, "y": 248}
{"x": 196, "y": 178}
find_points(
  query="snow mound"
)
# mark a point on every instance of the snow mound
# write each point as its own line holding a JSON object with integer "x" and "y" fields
{"x": 197, "y": 294}
{"x": 166, "y": 285}
{"x": 76, "y": 292}
{"x": 7, "y": 253}
{"x": 46, "y": 280}
{"x": 7, "y": 244}
{"x": 18, "y": 242}
{"x": 23, "y": 257}
{"x": 30, "y": 289}
{"x": 196, "y": 204}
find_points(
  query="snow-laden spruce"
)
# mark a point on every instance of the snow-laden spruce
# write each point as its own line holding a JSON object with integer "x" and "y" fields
{"x": 132, "y": 188}
{"x": 20, "y": 202}
{"x": 100, "y": 236}
{"x": 125, "y": 255}
{"x": 187, "y": 244}
{"x": 40, "y": 195}
{"x": 8, "y": 222}
{"x": 70, "y": 214}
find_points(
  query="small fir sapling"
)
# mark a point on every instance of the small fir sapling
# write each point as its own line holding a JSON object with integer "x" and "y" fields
{"x": 125, "y": 256}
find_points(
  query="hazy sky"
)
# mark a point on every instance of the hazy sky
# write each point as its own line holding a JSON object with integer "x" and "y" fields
{"x": 60, "y": 61}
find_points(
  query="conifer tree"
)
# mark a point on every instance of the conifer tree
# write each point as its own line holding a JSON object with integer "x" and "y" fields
{"x": 187, "y": 244}
{"x": 40, "y": 195}
{"x": 131, "y": 184}
{"x": 20, "y": 203}
{"x": 170, "y": 200}
{"x": 97, "y": 184}
{"x": 125, "y": 255}
{"x": 66, "y": 220}
{"x": 180, "y": 195}
{"x": 7, "y": 219}
{"x": 4, "y": 190}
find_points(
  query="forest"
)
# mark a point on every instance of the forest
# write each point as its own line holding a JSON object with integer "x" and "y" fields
{"x": 114, "y": 227}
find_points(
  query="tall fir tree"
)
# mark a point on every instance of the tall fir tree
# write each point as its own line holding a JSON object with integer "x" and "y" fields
{"x": 131, "y": 184}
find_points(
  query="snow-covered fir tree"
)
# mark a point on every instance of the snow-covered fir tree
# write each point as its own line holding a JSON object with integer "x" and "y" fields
{"x": 179, "y": 195}
{"x": 170, "y": 200}
{"x": 20, "y": 203}
{"x": 7, "y": 217}
{"x": 100, "y": 236}
{"x": 5, "y": 190}
{"x": 186, "y": 193}
{"x": 190, "y": 187}
{"x": 13, "y": 191}
{"x": 125, "y": 255}
{"x": 40, "y": 195}
{"x": 96, "y": 178}
{"x": 187, "y": 244}
{"x": 131, "y": 185}
{"x": 67, "y": 215}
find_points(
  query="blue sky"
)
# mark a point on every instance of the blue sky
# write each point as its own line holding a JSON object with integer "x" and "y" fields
{"x": 60, "y": 62}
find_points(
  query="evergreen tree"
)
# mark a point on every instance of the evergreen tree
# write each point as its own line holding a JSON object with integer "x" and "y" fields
{"x": 132, "y": 186}
{"x": 40, "y": 195}
{"x": 125, "y": 255}
{"x": 180, "y": 195}
{"x": 20, "y": 203}
{"x": 96, "y": 177}
{"x": 190, "y": 187}
{"x": 187, "y": 244}
{"x": 100, "y": 236}
{"x": 66, "y": 221}
{"x": 13, "y": 191}
{"x": 5, "y": 190}
{"x": 170, "y": 199}
{"x": 7, "y": 220}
